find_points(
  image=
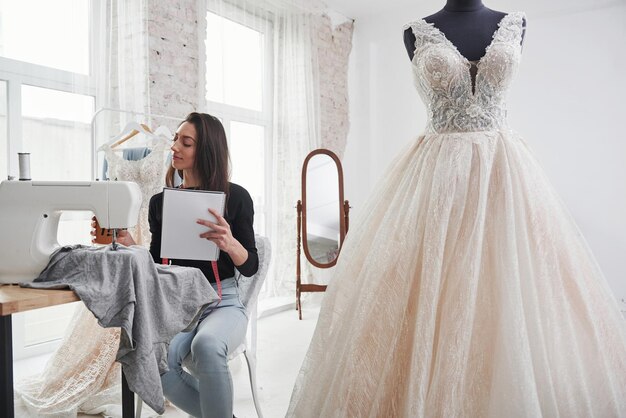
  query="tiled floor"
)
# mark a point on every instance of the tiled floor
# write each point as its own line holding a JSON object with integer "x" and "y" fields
{"x": 282, "y": 344}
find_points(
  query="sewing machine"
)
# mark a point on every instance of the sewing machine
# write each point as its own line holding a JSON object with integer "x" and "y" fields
{"x": 30, "y": 212}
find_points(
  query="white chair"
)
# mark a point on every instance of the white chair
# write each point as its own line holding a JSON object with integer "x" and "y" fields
{"x": 249, "y": 288}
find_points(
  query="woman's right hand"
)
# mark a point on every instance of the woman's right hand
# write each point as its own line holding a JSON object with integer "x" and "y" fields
{"x": 123, "y": 236}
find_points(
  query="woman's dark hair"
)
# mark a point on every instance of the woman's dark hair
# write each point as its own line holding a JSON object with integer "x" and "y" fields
{"x": 212, "y": 162}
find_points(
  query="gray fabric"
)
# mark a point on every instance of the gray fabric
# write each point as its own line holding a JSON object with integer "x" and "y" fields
{"x": 150, "y": 302}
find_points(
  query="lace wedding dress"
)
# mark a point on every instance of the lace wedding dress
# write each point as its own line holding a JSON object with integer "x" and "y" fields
{"x": 465, "y": 289}
{"x": 82, "y": 375}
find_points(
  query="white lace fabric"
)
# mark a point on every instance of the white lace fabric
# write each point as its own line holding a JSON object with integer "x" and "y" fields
{"x": 442, "y": 77}
{"x": 149, "y": 173}
{"x": 464, "y": 287}
{"x": 81, "y": 375}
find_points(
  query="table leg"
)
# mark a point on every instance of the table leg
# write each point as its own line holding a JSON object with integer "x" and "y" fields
{"x": 7, "y": 409}
{"x": 128, "y": 399}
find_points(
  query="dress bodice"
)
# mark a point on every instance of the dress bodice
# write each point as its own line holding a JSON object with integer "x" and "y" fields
{"x": 455, "y": 101}
{"x": 148, "y": 173}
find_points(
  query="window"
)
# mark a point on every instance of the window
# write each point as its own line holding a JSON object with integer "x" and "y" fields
{"x": 234, "y": 74}
{"x": 247, "y": 150}
{"x": 56, "y": 129}
{"x": 3, "y": 130}
{"x": 61, "y": 38}
{"x": 47, "y": 99}
{"x": 238, "y": 91}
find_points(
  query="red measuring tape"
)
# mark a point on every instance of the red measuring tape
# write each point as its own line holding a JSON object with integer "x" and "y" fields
{"x": 217, "y": 279}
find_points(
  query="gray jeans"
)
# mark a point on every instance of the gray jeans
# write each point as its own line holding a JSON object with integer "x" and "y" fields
{"x": 208, "y": 391}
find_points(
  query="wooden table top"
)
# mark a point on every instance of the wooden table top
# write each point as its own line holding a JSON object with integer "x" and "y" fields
{"x": 14, "y": 299}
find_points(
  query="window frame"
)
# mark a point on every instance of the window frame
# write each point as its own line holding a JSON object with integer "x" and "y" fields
{"x": 229, "y": 113}
{"x": 16, "y": 74}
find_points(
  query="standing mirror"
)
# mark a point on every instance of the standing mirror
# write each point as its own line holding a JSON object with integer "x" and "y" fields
{"x": 322, "y": 216}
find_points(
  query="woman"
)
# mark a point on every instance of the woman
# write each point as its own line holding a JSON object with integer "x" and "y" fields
{"x": 200, "y": 156}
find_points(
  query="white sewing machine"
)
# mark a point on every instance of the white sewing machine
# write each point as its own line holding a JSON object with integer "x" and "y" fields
{"x": 30, "y": 212}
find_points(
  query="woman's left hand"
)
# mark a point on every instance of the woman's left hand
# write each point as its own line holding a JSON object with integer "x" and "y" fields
{"x": 219, "y": 232}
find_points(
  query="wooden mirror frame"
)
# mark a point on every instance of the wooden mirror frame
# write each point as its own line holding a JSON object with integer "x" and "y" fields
{"x": 344, "y": 208}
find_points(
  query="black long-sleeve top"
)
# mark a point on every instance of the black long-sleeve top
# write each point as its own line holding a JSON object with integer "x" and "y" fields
{"x": 239, "y": 214}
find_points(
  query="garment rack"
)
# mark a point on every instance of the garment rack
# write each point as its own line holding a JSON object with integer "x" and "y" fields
{"x": 94, "y": 150}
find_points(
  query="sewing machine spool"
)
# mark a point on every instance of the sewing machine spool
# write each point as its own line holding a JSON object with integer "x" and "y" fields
{"x": 24, "y": 165}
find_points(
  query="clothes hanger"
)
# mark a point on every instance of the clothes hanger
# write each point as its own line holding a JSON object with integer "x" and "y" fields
{"x": 164, "y": 131}
{"x": 164, "y": 134}
{"x": 130, "y": 130}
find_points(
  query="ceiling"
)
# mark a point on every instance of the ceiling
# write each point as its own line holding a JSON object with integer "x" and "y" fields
{"x": 360, "y": 8}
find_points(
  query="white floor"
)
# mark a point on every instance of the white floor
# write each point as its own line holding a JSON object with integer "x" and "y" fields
{"x": 282, "y": 344}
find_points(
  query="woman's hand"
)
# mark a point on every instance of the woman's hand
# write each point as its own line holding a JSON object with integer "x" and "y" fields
{"x": 219, "y": 232}
{"x": 123, "y": 236}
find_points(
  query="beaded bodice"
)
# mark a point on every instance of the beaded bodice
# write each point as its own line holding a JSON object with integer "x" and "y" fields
{"x": 456, "y": 101}
{"x": 149, "y": 174}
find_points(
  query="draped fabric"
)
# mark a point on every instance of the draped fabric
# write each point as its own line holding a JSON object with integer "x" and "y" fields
{"x": 122, "y": 66}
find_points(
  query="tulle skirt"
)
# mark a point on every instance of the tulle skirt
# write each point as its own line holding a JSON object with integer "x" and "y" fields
{"x": 465, "y": 289}
{"x": 81, "y": 376}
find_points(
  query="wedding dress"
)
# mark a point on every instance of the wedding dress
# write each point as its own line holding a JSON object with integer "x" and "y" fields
{"x": 465, "y": 288}
{"x": 84, "y": 376}
{"x": 149, "y": 174}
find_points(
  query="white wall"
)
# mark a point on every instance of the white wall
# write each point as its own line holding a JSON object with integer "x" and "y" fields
{"x": 569, "y": 103}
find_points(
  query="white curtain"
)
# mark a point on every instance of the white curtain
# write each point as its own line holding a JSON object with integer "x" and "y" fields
{"x": 121, "y": 64}
{"x": 85, "y": 377}
{"x": 295, "y": 109}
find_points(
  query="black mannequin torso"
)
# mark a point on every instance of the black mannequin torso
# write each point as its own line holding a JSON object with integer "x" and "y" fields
{"x": 467, "y": 24}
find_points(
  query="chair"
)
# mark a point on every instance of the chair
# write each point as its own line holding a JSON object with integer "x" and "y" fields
{"x": 249, "y": 288}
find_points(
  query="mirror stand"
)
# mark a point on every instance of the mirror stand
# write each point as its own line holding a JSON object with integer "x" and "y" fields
{"x": 316, "y": 243}
{"x": 300, "y": 287}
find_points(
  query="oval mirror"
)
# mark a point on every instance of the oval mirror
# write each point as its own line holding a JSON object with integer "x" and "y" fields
{"x": 323, "y": 228}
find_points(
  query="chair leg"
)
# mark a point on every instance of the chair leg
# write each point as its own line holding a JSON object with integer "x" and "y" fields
{"x": 139, "y": 407}
{"x": 251, "y": 361}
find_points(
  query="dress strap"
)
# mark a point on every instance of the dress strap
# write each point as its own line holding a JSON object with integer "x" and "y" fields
{"x": 425, "y": 34}
{"x": 511, "y": 28}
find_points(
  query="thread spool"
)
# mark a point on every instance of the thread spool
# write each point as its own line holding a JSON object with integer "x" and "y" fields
{"x": 24, "y": 165}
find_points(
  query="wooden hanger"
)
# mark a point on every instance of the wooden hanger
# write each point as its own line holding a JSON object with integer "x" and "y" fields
{"x": 131, "y": 134}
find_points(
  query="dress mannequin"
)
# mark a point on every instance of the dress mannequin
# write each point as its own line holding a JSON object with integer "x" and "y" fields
{"x": 468, "y": 24}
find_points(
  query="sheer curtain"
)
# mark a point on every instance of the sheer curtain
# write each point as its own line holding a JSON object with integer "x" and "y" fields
{"x": 85, "y": 377}
{"x": 291, "y": 97}
{"x": 121, "y": 64}
{"x": 47, "y": 98}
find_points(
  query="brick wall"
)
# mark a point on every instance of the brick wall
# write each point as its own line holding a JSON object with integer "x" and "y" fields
{"x": 333, "y": 51}
{"x": 173, "y": 29}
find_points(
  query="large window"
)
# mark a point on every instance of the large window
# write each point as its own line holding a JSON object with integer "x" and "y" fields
{"x": 47, "y": 98}
{"x": 238, "y": 91}
{"x": 56, "y": 131}
{"x": 234, "y": 73}
{"x": 53, "y": 34}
